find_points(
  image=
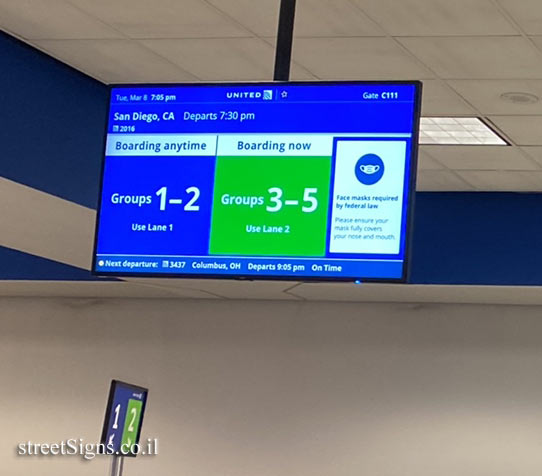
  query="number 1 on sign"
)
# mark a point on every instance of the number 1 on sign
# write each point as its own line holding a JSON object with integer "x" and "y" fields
{"x": 117, "y": 412}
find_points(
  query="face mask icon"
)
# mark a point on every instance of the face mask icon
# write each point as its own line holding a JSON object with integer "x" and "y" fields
{"x": 369, "y": 169}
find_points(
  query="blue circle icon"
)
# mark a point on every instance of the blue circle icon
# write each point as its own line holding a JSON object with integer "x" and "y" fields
{"x": 369, "y": 169}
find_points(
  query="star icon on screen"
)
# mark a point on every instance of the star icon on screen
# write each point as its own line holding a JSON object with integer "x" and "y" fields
{"x": 284, "y": 94}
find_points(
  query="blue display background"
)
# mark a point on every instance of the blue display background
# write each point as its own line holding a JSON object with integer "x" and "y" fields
{"x": 303, "y": 108}
{"x": 286, "y": 108}
{"x": 316, "y": 92}
{"x": 144, "y": 176}
{"x": 278, "y": 117}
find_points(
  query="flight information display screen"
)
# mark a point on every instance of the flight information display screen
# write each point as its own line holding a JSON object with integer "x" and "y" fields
{"x": 259, "y": 180}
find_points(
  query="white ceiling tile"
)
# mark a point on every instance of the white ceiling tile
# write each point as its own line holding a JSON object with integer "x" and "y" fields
{"x": 414, "y": 293}
{"x": 163, "y": 18}
{"x": 440, "y": 181}
{"x": 262, "y": 20}
{"x": 53, "y": 19}
{"x": 115, "y": 60}
{"x": 356, "y": 58}
{"x": 332, "y": 18}
{"x": 537, "y": 40}
{"x": 527, "y": 13}
{"x": 95, "y": 289}
{"x": 522, "y": 130}
{"x": 226, "y": 288}
{"x": 503, "y": 181}
{"x": 312, "y": 17}
{"x": 478, "y": 57}
{"x": 437, "y": 17}
{"x": 481, "y": 157}
{"x": 534, "y": 152}
{"x": 440, "y": 100}
{"x": 297, "y": 72}
{"x": 485, "y": 95}
{"x": 219, "y": 59}
{"x": 426, "y": 161}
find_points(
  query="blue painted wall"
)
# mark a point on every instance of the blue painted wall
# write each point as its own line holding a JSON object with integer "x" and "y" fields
{"x": 52, "y": 136}
{"x": 16, "y": 265}
{"x": 52, "y": 123}
{"x": 477, "y": 238}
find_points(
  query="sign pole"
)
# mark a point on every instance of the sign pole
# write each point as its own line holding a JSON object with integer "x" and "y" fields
{"x": 122, "y": 422}
{"x": 117, "y": 465}
{"x": 285, "y": 35}
{"x": 121, "y": 465}
{"x": 113, "y": 465}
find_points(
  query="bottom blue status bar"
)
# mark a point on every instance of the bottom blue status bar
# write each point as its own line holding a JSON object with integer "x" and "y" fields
{"x": 250, "y": 266}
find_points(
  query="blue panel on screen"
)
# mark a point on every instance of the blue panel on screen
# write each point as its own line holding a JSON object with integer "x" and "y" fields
{"x": 269, "y": 180}
{"x": 137, "y": 180}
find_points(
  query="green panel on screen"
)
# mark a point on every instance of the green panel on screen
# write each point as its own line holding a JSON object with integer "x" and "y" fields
{"x": 270, "y": 206}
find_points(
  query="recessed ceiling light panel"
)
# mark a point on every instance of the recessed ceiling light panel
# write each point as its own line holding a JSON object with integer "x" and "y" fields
{"x": 457, "y": 131}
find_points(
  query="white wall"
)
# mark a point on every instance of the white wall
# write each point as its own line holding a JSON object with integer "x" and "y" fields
{"x": 276, "y": 388}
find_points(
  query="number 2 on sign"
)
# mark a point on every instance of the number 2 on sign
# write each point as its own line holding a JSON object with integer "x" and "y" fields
{"x": 133, "y": 413}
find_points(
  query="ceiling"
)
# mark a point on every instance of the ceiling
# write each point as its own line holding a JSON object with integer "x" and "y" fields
{"x": 466, "y": 52}
{"x": 156, "y": 288}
